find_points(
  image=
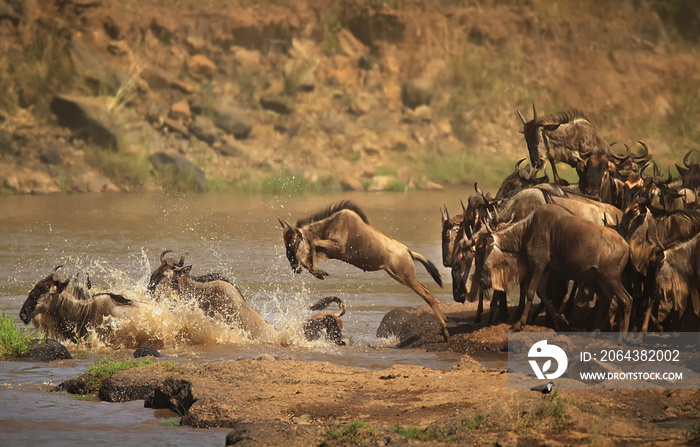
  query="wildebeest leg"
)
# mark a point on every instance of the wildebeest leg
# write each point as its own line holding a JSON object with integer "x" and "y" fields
{"x": 647, "y": 315}
{"x": 531, "y": 290}
{"x": 424, "y": 293}
{"x": 498, "y": 301}
{"x": 625, "y": 301}
{"x": 569, "y": 308}
{"x": 331, "y": 248}
{"x": 615, "y": 290}
{"x": 557, "y": 179}
{"x": 522, "y": 299}
{"x": 480, "y": 307}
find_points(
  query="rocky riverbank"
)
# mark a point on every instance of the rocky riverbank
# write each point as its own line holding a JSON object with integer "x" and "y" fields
{"x": 295, "y": 96}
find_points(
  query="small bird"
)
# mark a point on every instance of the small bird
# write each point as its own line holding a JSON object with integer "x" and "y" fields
{"x": 544, "y": 389}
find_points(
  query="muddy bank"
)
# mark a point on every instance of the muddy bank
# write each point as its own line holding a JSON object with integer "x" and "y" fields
{"x": 271, "y": 401}
{"x": 308, "y": 403}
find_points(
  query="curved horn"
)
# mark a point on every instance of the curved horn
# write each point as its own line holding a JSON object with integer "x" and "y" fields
{"x": 622, "y": 157}
{"x": 182, "y": 260}
{"x": 518, "y": 163}
{"x": 646, "y": 151}
{"x": 55, "y": 269}
{"x": 464, "y": 208}
{"x": 162, "y": 255}
{"x": 477, "y": 189}
{"x": 686, "y": 158}
{"x": 522, "y": 118}
{"x": 534, "y": 113}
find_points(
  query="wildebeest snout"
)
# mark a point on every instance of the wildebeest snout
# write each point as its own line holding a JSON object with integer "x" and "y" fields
{"x": 24, "y": 316}
{"x": 459, "y": 290}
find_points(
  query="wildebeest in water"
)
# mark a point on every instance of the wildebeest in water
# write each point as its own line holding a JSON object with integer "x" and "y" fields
{"x": 55, "y": 308}
{"x": 343, "y": 232}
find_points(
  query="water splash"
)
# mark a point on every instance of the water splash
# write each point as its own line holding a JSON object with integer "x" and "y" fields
{"x": 173, "y": 323}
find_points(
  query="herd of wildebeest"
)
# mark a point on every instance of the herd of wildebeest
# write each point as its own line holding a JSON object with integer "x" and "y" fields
{"x": 616, "y": 251}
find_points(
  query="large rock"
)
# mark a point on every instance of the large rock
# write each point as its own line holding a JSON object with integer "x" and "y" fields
{"x": 228, "y": 116}
{"x": 173, "y": 393}
{"x": 47, "y": 351}
{"x": 88, "y": 118}
{"x": 98, "y": 70}
{"x": 408, "y": 323}
{"x": 201, "y": 67}
{"x": 204, "y": 129}
{"x": 416, "y": 92}
{"x": 122, "y": 388}
{"x": 182, "y": 167}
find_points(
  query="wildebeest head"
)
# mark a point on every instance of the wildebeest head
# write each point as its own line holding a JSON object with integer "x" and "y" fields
{"x": 463, "y": 265}
{"x": 165, "y": 270}
{"x": 450, "y": 231}
{"x": 483, "y": 246}
{"x": 536, "y": 139}
{"x": 591, "y": 172}
{"x": 519, "y": 179}
{"x": 54, "y": 283}
{"x": 690, "y": 173}
{"x": 295, "y": 245}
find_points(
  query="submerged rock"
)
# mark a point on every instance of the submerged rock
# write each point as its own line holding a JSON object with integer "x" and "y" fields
{"x": 47, "y": 351}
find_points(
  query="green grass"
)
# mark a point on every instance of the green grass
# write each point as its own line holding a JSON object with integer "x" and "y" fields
{"x": 290, "y": 184}
{"x": 102, "y": 369}
{"x": 451, "y": 433}
{"x": 120, "y": 166}
{"x": 552, "y": 406}
{"x": 425, "y": 434}
{"x": 13, "y": 341}
{"x": 693, "y": 433}
{"x": 354, "y": 433}
{"x": 464, "y": 169}
{"x": 171, "y": 422}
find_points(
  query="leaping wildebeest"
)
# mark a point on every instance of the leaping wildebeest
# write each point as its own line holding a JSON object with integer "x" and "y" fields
{"x": 342, "y": 231}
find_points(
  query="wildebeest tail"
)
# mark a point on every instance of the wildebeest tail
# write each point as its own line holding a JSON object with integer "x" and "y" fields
{"x": 119, "y": 300}
{"x": 429, "y": 266}
{"x": 325, "y": 302}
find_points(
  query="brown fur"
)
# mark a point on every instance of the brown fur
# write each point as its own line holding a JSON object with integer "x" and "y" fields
{"x": 217, "y": 298}
{"x": 567, "y": 137}
{"x": 549, "y": 242}
{"x": 679, "y": 279}
{"x": 64, "y": 316}
{"x": 344, "y": 234}
{"x": 326, "y": 324}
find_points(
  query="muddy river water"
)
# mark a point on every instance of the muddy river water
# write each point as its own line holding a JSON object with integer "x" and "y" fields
{"x": 117, "y": 239}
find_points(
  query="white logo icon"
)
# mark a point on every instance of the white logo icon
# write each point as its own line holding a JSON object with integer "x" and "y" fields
{"x": 542, "y": 350}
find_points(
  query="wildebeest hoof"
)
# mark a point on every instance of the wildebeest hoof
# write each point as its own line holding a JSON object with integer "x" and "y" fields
{"x": 517, "y": 327}
{"x": 320, "y": 274}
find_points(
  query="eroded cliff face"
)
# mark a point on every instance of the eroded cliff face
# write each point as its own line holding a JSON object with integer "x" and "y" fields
{"x": 113, "y": 96}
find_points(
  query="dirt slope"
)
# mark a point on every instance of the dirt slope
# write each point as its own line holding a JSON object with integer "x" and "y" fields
{"x": 352, "y": 94}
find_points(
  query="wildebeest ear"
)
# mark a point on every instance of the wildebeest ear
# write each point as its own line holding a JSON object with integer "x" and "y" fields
{"x": 187, "y": 269}
{"x": 551, "y": 127}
